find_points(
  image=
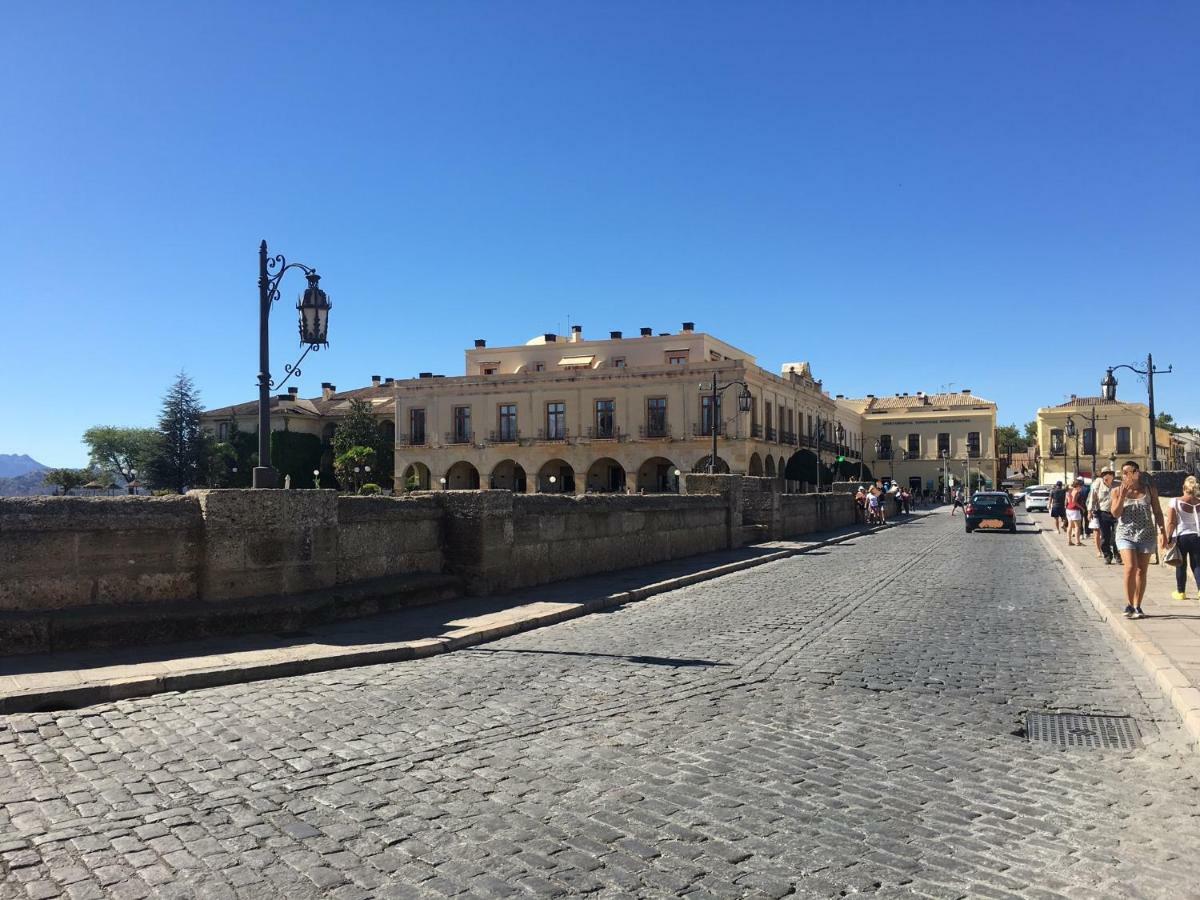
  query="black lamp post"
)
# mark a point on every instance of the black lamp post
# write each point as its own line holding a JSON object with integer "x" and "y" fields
{"x": 745, "y": 401}
{"x": 1073, "y": 432}
{"x": 1108, "y": 388}
{"x": 314, "y": 309}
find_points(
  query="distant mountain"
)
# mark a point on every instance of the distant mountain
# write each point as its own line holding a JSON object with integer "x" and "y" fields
{"x": 12, "y": 465}
{"x": 25, "y": 485}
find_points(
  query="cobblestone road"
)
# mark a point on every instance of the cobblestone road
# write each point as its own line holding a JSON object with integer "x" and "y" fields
{"x": 837, "y": 723}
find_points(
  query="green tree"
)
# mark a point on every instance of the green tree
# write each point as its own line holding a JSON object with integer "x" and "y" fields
{"x": 1167, "y": 421}
{"x": 121, "y": 451}
{"x": 67, "y": 480}
{"x": 182, "y": 458}
{"x": 1031, "y": 436}
{"x": 359, "y": 428}
{"x": 297, "y": 455}
{"x": 354, "y": 458}
{"x": 1009, "y": 440}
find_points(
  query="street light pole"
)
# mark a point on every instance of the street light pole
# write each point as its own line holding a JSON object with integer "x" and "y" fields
{"x": 314, "y": 309}
{"x": 1108, "y": 388}
{"x": 745, "y": 400}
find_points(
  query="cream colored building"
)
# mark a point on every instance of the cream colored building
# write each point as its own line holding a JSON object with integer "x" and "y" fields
{"x": 928, "y": 441}
{"x": 568, "y": 414}
{"x": 1120, "y": 432}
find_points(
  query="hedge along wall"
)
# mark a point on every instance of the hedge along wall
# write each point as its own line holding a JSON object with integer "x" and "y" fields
{"x": 555, "y": 537}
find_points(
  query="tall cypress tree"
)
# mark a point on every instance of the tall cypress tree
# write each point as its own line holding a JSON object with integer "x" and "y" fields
{"x": 181, "y": 461}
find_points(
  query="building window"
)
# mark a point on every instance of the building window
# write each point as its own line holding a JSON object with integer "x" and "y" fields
{"x": 677, "y": 359}
{"x": 618, "y": 362}
{"x": 656, "y": 417}
{"x": 885, "y": 446}
{"x": 973, "y": 444}
{"x": 1124, "y": 445}
{"x": 605, "y": 418}
{"x": 914, "y": 445}
{"x": 462, "y": 425}
{"x": 539, "y": 367}
{"x": 508, "y": 421}
{"x": 416, "y": 426}
{"x": 1089, "y": 441}
{"x": 222, "y": 431}
{"x": 1056, "y": 442}
{"x": 489, "y": 370}
{"x": 556, "y": 421}
{"x": 943, "y": 444}
{"x": 709, "y": 421}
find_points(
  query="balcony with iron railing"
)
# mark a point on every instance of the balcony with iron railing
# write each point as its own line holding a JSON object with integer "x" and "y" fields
{"x": 705, "y": 429}
{"x": 553, "y": 434}
{"x": 787, "y": 437}
{"x": 756, "y": 430}
{"x": 772, "y": 434}
{"x": 654, "y": 431}
{"x": 504, "y": 436}
{"x": 459, "y": 437}
{"x": 411, "y": 440}
{"x": 603, "y": 433}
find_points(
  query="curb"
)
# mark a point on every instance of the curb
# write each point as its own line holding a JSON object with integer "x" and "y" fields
{"x": 76, "y": 696}
{"x": 1183, "y": 695}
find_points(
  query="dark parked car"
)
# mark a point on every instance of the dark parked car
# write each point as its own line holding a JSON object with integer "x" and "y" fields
{"x": 991, "y": 511}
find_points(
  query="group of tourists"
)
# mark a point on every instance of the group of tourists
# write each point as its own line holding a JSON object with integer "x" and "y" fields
{"x": 1126, "y": 520}
{"x": 870, "y": 502}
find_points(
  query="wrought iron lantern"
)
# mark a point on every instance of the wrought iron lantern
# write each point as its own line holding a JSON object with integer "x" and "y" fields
{"x": 1108, "y": 386}
{"x": 314, "y": 309}
{"x": 745, "y": 399}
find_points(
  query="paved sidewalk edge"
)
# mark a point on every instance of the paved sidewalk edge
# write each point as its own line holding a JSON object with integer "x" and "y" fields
{"x": 1183, "y": 695}
{"x": 109, "y": 690}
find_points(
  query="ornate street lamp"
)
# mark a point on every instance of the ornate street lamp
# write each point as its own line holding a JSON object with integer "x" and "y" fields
{"x": 1108, "y": 388}
{"x": 314, "y": 309}
{"x": 745, "y": 402}
{"x": 1073, "y": 432}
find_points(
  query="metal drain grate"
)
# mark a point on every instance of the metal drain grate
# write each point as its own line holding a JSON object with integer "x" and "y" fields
{"x": 1090, "y": 732}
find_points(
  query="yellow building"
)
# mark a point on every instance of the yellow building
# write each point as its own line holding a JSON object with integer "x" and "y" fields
{"x": 1120, "y": 432}
{"x": 928, "y": 441}
{"x": 567, "y": 414}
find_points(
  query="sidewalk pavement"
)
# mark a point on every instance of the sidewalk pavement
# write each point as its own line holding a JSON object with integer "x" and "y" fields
{"x": 1166, "y": 642}
{"x": 80, "y": 678}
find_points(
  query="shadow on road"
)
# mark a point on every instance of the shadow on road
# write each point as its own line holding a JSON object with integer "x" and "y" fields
{"x": 678, "y": 663}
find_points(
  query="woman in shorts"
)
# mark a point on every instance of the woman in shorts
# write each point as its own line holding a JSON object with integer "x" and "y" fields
{"x": 1074, "y": 511}
{"x": 1139, "y": 517}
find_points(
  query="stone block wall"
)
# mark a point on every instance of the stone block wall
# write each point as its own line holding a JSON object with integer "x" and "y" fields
{"x": 379, "y": 537}
{"x": 59, "y": 553}
{"x": 555, "y": 537}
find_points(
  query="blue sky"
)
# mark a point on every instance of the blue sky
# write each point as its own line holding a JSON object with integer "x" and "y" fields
{"x": 995, "y": 196}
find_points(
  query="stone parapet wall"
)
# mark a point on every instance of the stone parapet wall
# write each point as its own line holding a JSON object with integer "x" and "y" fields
{"x": 135, "y": 569}
{"x": 72, "y": 552}
{"x": 557, "y": 537}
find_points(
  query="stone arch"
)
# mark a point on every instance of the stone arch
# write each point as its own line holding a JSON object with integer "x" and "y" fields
{"x": 701, "y": 465}
{"x": 563, "y": 476}
{"x": 802, "y": 467}
{"x": 769, "y": 468}
{"x": 605, "y": 476}
{"x": 462, "y": 476}
{"x": 417, "y": 477}
{"x": 507, "y": 475}
{"x": 755, "y": 467}
{"x": 657, "y": 476}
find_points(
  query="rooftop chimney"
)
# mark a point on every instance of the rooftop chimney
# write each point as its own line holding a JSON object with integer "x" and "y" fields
{"x": 375, "y": 380}
{"x": 689, "y": 327}
{"x": 286, "y": 396}
{"x": 293, "y": 391}
{"x": 327, "y": 389}
{"x": 576, "y": 334}
{"x": 389, "y": 381}
{"x": 646, "y": 332}
{"x": 550, "y": 338}
{"x": 480, "y": 342}
{"x": 425, "y": 375}
{"x": 966, "y": 390}
{"x": 615, "y": 335}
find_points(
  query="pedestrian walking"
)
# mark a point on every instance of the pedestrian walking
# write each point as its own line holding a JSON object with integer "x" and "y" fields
{"x": 1135, "y": 507}
{"x": 959, "y": 503}
{"x": 1183, "y": 528}
{"x": 1099, "y": 503}
{"x": 1058, "y": 507}
{"x": 1074, "y": 510}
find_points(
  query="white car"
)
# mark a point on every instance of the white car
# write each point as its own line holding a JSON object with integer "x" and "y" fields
{"x": 1037, "y": 498}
